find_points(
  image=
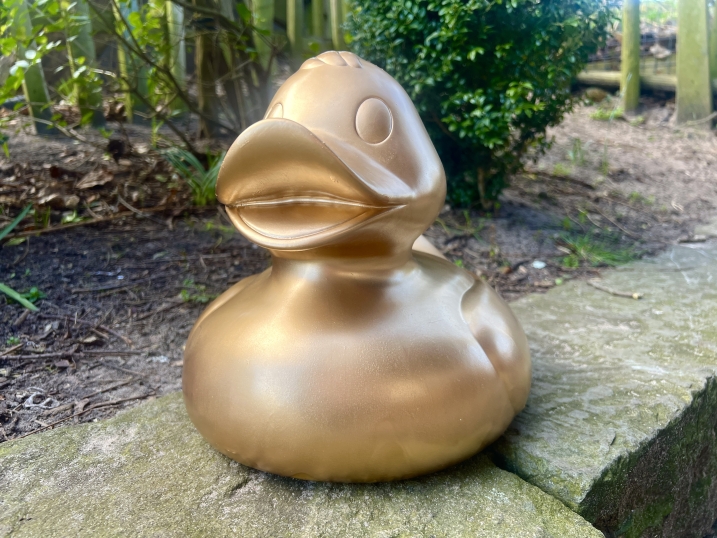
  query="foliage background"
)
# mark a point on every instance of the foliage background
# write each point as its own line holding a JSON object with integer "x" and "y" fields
{"x": 487, "y": 76}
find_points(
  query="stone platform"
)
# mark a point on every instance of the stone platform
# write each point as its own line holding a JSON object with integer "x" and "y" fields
{"x": 622, "y": 418}
{"x": 620, "y": 429}
{"x": 147, "y": 472}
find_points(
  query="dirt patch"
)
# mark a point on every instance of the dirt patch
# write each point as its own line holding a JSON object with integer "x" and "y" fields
{"x": 117, "y": 298}
{"x": 119, "y": 303}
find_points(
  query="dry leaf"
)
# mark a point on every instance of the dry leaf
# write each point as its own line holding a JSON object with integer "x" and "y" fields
{"x": 97, "y": 177}
{"x": 57, "y": 200}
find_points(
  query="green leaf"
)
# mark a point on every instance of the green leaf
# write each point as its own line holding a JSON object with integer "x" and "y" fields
{"x": 15, "y": 222}
{"x": 243, "y": 11}
{"x": 134, "y": 19}
{"x": 15, "y": 296}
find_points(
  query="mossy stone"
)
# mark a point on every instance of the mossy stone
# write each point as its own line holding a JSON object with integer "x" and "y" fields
{"x": 147, "y": 472}
{"x": 621, "y": 423}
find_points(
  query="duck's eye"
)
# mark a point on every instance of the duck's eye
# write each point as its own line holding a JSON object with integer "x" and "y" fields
{"x": 277, "y": 111}
{"x": 374, "y": 121}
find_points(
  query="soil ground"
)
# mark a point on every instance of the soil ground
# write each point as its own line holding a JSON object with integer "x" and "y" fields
{"x": 118, "y": 293}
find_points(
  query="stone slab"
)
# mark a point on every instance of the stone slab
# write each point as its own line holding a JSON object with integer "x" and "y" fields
{"x": 147, "y": 472}
{"x": 707, "y": 229}
{"x": 622, "y": 419}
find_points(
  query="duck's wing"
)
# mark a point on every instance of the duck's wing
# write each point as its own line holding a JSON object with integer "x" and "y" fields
{"x": 499, "y": 333}
{"x": 422, "y": 244}
{"x": 231, "y": 293}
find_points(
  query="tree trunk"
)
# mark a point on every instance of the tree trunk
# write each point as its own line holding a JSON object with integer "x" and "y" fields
{"x": 630, "y": 56}
{"x": 713, "y": 49}
{"x": 34, "y": 86}
{"x": 694, "y": 92}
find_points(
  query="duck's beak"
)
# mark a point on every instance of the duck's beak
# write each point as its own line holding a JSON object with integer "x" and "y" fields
{"x": 287, "y": 188}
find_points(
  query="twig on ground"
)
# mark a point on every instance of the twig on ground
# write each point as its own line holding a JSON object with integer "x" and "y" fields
{"x": 567, "y": 179}
{"x": 89, "y": 324}
{"x": 40, "y": 356}
{"x": 114, "y": 287}
{"x": 591, "y": 220}
{"x": 112, "y": 352}
{"x": 160, "y": 310}
{"x": 187, "y": 258}
{"x": 21, "y": 318}
{"x": 22, "y": 256}
{"x": 69, "y": 353}
{"x": 107, "y": 389}
{"x": 101, "y": 405}
{"x": 91, "y": 408}
{"x": 138, "y": 212}
{"x": 43, "y": 356}
{"x": 700, "y": 121}
{"x": 625, "y": 230}
{"x": 11, "y": 349}
{"x": 121, "y": 369}
{"x": 628, "y": 295}
{"x": 88, "y": 222}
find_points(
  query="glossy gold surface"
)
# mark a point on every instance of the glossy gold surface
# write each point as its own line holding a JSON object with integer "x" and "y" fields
{"x": 354, "y": 358}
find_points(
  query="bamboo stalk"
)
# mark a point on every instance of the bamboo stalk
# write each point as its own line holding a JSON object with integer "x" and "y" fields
{"x": 295, "y": 30}
{"x": 317, "y": 18}
{"x": 206, "y": 60}
{"x": 131, "y": 69}
{"x": 84, "y": 46}
{"x": 337, "y": 19}
{"x": 34, "y": 86}
{"x": 262, "y": 13}
{"x": 177, "y": 57}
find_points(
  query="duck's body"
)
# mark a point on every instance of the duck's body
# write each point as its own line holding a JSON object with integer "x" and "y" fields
{"x": 365, "y": 377}
{"x": 353, "y": 358}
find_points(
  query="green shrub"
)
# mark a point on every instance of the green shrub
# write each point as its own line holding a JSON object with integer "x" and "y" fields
{"x": 487, "y": 76}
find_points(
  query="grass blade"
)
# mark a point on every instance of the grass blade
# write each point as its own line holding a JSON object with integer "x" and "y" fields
{"x": 7, "y": 229}
{"x": 15, "y": 296}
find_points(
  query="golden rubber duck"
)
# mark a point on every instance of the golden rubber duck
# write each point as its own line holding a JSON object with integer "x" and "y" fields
{"x": 354, "y": 357}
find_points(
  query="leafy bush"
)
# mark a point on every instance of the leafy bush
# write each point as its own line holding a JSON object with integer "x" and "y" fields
{"x": 487, "y": 76}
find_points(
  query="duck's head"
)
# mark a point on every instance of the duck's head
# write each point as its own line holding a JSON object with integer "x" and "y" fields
{"x": 341, "y": 163}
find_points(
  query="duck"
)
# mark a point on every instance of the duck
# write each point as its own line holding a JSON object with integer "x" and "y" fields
{"x": 361, "y": 354}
